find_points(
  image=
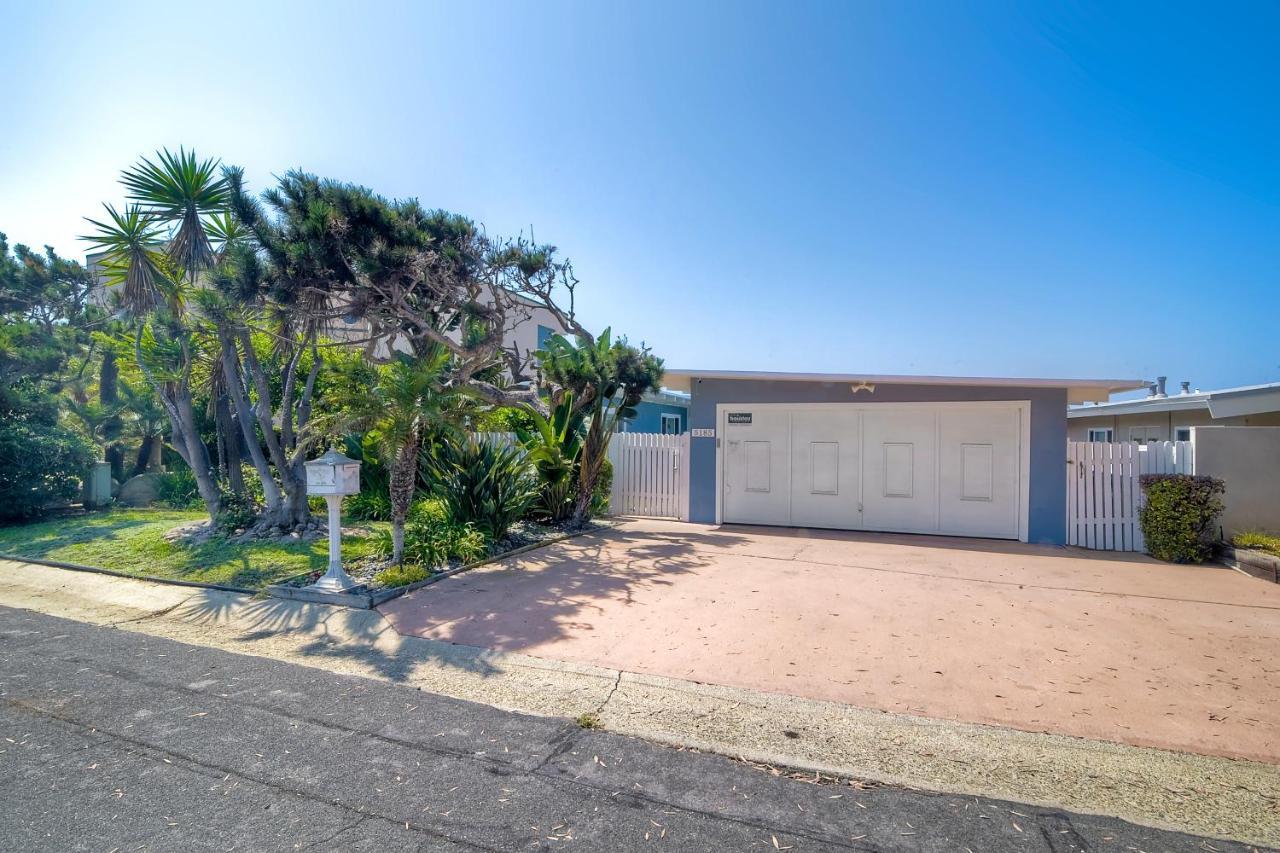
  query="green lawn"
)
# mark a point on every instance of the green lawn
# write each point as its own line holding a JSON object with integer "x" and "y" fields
{"x": 132, "y": 541}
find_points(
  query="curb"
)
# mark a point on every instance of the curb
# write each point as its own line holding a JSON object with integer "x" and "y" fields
{"x": 1258, "y": 564}
{"x": 78, "y": 567}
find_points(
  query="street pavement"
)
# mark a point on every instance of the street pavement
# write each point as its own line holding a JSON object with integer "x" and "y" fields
{"x": 112, "y": 740}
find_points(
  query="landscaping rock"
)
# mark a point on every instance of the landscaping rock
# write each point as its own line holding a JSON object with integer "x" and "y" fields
{"x": 141, "y": 490}
{"x": 190, "y": 533}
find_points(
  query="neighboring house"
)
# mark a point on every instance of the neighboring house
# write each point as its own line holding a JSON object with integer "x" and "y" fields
{"x": 665, "y": 412}
{"x": 960, "y": 456}
{"x": 661, "y": 412}
{"x": 1170, "y": 417}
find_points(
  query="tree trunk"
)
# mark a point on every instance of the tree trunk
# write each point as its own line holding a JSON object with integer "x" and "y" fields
{"x": 196, "y": 454}
{"x": 593, "y": 455}
{"x": 109, "y": 395}
{"x": 229, "y": 447}
{"x": 404, "y": 476}
{"x": 144, "y": 455}
{"x": 397, "y": 540}
{"x": 271, "y": 494}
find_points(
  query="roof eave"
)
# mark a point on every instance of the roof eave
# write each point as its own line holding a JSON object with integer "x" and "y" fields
{"x": 1078, "y": 390}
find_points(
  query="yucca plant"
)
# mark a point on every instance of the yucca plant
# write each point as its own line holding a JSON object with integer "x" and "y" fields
{"x": 553, "y": 446}
{"x": 158, "y": 245}
{"x": 482, "y": 483}
{"x": 181, "y": 190}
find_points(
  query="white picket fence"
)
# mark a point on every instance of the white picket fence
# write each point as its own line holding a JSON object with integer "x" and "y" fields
{"x": 650, "y": 475}
{"x": 1103, "y": 494}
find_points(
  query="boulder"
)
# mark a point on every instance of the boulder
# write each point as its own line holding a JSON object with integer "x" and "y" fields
{"x": 141, "y": 490}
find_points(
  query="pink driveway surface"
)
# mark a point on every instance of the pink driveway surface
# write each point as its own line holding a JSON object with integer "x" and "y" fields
{"x": 1104, "y": 646}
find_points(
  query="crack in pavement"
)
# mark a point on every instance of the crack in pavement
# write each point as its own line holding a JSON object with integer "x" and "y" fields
{"x": 567, "y": 740}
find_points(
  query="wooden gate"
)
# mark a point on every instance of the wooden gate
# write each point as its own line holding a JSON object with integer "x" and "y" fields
{"x": 1103, "y": 494}
{"x": 650, "y": 474}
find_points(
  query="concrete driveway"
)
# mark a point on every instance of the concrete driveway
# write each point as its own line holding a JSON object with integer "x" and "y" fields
{"x": 1105, "y": 646}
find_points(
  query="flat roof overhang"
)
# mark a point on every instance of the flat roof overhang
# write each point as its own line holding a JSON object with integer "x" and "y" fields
{"x": 1078, "y": 390}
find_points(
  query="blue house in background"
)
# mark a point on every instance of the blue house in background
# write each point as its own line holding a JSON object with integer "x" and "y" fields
{"x": 665, "y": 412}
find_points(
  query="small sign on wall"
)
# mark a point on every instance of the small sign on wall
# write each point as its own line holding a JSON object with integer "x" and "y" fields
{"x": 739, "y": 417}
{"x": 703, "y": 433}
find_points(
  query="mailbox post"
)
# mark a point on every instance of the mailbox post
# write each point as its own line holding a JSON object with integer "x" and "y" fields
{"x": 333, "y": 476}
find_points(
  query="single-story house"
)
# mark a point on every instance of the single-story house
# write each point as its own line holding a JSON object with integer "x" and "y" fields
{"x": 665, "y": 412}
{"x": 963, "y": 456}
{"x": 1160, "y": 416}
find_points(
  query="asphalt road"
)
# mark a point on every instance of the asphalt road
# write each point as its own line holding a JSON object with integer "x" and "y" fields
{"x": 111, "y": 740}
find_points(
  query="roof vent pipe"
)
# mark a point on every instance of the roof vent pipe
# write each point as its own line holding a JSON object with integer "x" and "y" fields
{"x": 1186, "y": 387}
{"x": 1151, "y": 389}
{"x": 1160, "y": 383}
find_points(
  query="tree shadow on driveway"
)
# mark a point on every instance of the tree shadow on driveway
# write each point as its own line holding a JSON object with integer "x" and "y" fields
{"x": 329, "y": 633}
{"x": 546, "y": 595}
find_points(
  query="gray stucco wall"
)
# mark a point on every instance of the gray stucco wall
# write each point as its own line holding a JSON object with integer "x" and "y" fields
{"x": 1247, "y": 460}
{"x": 1047, "y": 517}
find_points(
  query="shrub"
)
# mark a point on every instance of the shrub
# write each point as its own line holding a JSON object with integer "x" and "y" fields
{"x": 177, "y": 489}
{"x": 431, "y": 538}
{"x": 482, "y": 484}
{"x": 41, "y": 464}
{"x": 236, "y": 512}
{"x": 1179, "y": 519}
{"x": 369, "y": 506}
{"x": 402, "y": 575}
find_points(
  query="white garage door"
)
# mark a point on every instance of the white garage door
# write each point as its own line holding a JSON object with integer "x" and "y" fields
{"x": 953, "y": 468}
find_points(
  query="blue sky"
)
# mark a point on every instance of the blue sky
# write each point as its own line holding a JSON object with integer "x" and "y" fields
{"x": 988, "y": 189}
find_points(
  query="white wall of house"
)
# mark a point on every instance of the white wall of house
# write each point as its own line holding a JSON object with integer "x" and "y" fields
{"x": 1159, "y": 426}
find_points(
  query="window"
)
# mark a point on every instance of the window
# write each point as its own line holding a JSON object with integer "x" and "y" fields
{"x": 669, "y": 425}
{"x": 1144, "y": 434}
{"x": 1100, "y": 434}
{"x": 1182, "y": 434}
{"x": 543, "y": 334}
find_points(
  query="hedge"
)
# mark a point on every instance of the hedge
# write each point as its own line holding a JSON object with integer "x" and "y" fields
{"x": 1180, "y": 518}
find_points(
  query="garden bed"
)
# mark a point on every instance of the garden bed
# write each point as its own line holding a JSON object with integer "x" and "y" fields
{"x": 369, "y": 593}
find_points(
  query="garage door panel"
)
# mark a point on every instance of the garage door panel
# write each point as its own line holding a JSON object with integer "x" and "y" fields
{"x": 824, "y": 469}
{"x": 899, "y": 480}
{"x": 979, "y": 471}
{"x": 757, "y": 466}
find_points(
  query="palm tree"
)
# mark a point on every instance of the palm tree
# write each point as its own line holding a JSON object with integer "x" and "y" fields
{"x": 398, "y": 404}
{"x": 156, "y": 249}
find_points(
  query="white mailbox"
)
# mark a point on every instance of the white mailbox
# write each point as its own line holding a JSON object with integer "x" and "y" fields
{"x": 333, "y": 474}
